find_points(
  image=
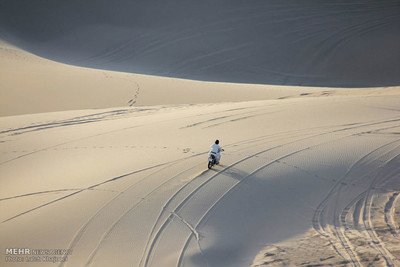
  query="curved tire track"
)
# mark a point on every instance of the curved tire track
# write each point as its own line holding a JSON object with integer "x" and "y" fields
{"x": 362, "y": 210}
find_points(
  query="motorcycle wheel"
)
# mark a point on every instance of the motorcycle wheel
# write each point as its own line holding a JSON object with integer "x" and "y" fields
{"x": 210, "y": 164}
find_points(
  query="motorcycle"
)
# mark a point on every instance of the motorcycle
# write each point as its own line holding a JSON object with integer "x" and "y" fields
{"x": 212, "y": 160}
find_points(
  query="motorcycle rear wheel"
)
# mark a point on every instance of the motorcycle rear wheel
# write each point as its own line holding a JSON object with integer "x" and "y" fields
{"x": 210, "y": 164}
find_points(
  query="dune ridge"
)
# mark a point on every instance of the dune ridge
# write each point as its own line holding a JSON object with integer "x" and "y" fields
{"x": 30, "y": 84}
{"x": 303, "y": 43}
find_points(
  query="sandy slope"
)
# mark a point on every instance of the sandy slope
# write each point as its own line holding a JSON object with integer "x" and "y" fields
{"x": 130, "y": 187}
{"x": 30, "y": 84}
{"x": 287, "y": 42}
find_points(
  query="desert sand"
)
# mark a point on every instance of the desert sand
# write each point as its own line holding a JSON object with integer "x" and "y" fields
{"x": 129, "y": 186}
{"x": 334, "y": 43}
{"x": 102, "y": 166}
{"x": 31, "y": 84}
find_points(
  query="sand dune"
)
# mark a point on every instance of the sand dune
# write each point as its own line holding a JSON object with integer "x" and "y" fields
{"x": 30, "y": 84}
{"x": 103, "y": 167}
{"x": 130, "y": 186}
{"x": 318, "y": 43}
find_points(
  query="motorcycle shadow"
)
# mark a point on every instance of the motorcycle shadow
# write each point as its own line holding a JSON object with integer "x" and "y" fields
{"x": 233, "y": 173}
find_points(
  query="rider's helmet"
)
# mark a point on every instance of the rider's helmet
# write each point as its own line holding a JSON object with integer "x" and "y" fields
{"x": 217, "y": 142}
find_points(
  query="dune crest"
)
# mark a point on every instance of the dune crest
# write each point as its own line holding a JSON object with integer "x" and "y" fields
{"x": 30, "y": 84}
{"x": 331, "y": 43}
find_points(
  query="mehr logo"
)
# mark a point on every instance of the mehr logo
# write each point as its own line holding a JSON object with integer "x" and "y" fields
{"x": 18, "y": 251}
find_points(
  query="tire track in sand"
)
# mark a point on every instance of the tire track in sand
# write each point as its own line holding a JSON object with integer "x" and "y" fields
{"x": 226, "y": 194}
{"x": 389, "y": 215}
{"x": 375, "y": 242}
{"x": 339, "y": 218}
{"x": 154, "y": 236}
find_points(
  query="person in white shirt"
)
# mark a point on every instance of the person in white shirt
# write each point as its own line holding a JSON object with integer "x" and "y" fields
{"x": 215, "y": 150}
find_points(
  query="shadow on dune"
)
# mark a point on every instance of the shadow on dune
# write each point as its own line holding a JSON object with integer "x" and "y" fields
{"x": 260, "y": 210}
{"x": 317, "y": 43}
{"x": 285, "y": 200}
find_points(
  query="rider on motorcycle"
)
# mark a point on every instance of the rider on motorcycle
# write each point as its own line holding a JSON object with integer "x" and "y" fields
{"x": 215, "y": 150}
